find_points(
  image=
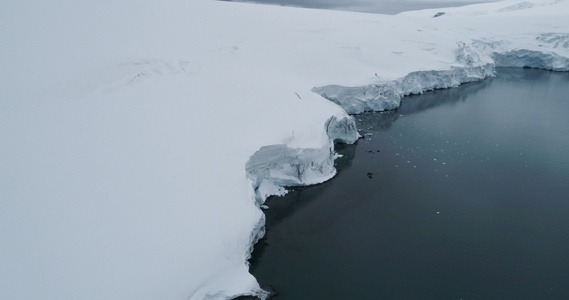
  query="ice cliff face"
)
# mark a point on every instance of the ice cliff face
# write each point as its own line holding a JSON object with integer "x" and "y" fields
{"x": 354, "y": 100}
{"x": 274, "y": 167}
{"x": 532, "y": 59}
{"x": 387, "y": 95}
{"x": 476, "y": 61}
{"x": 550, "y": 54}
{"x": 341, "y": 129}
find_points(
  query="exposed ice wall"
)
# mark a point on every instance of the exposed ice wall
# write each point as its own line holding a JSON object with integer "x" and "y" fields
{"x": 531, "y": 59}
{"x": 387, "y": 95}
{"x": 354, "y": 100}
{"x": 274, "y": 167}
{"x": 341, "y": 128}
{"x": 476, "y": 60}
{"x": 550, "y": 54}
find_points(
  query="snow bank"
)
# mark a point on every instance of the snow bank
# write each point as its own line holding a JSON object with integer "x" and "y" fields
{"x": 137, "y": 140}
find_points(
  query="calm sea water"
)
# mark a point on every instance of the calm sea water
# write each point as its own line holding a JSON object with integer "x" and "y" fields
{"x": 459, "y": 194}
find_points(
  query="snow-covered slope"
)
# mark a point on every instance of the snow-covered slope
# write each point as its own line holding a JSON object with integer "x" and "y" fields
{"x": 137, "y": 139}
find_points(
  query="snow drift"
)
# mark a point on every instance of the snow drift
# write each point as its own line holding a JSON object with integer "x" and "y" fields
{"x": 137, "y": 140}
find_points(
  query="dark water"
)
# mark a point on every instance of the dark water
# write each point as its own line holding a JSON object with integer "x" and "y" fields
{"x": 459, "y": 194}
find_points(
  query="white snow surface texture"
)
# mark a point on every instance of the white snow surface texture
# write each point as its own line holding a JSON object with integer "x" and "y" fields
{"x": 129, "y": 130}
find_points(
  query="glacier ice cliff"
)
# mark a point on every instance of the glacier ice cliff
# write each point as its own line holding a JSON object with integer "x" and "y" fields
{"x": 532, "y": 59}
{"x": 274, "y": 167}
{"x": 474, "y": 61}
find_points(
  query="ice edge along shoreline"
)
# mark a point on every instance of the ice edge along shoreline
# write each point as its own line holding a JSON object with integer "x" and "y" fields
{"x": 273, "y": 168}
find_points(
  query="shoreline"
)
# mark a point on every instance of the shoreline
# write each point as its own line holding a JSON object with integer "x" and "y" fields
{"x": 101, "y": 173}
{"x": 284, "y": 209}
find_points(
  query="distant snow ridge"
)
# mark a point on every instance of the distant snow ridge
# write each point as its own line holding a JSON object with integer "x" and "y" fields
{"x": 478, "y": 60}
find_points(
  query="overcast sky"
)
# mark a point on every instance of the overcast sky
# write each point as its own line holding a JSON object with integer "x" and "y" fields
{"x": 375, "y": 6}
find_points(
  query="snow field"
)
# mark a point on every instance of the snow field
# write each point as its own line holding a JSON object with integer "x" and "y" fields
{"x": 137, "y": 139}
